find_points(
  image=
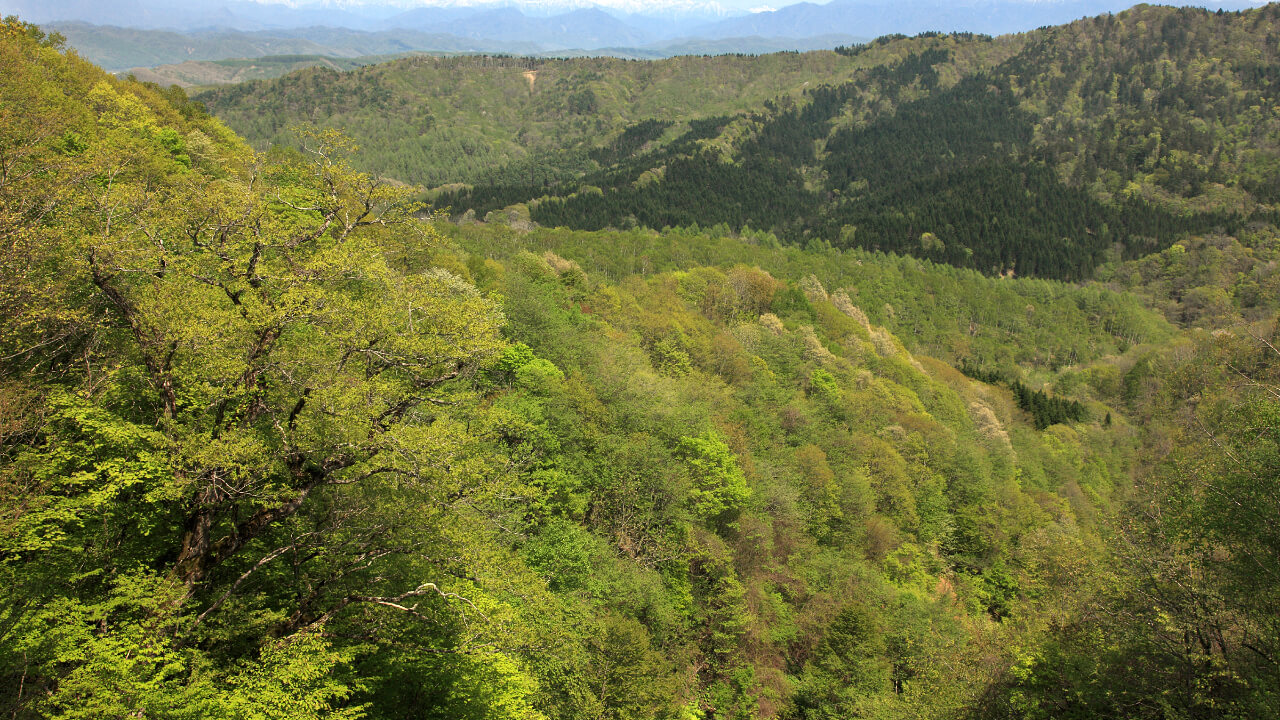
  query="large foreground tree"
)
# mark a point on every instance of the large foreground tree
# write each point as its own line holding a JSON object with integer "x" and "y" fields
{"x": 239, "y": 451}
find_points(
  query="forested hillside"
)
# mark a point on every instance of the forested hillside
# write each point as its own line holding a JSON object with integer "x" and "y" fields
{"x": 277, "y": 441}
{"x": 1046, "y": 154}
{"x": 517, "y": 120}
{"x": 1118, "y": 134}
{"x": 193, "y": 73}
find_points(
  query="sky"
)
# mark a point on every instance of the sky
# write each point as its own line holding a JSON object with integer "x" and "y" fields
{"x": 687, "y": 10}
{"x": 712, "y": 6}
{"x": 709, "y": 5}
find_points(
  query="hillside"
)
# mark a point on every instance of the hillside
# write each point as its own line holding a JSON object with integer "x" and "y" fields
{"x": 276, "y": 441}
{"x": 466, "y": 119}
{"x": 202, "y": 73}
{"x": 672, "y": 478}
{"x": 1166, "y": 128}
{"x": 962, "y": 149}
{"x": 577, "y": 34}
{"x": 194, "y": 73}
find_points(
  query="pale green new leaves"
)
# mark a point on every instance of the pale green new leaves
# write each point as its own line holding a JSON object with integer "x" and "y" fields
{"x": 719, "y": 487}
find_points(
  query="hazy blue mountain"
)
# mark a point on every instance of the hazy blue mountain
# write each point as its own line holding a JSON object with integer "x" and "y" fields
{"x": 184, "y": 15}
{"x": 428, "y": 18}
{"x": 756, "y": 45}
{"x": 198, "y": 14}
{"x": 586, "y": 28}
{"x": 591, "y": 28}
{"x": 259, "y": 16}
{"x": 872, "y": 18}
{"x": 353, "y": 43}
{"x": 704, "y": 46}
{"x": 565, "y": 23}
{"x": 145, "y": 33}
{"x": 116, "y": 48}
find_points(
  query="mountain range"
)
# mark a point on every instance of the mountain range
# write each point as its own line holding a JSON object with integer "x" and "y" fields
{"x": 715, "y": 395}
{"x": 112, "y": 34}
{"x": 935, "y": 145}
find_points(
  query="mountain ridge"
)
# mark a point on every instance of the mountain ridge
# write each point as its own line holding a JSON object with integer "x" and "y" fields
{"x": 520, "y": 28}
{"x": 277, "y": 440}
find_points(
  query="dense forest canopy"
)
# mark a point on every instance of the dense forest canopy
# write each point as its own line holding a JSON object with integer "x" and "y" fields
{"x": 279, "y": 441}
{"x": 1048, "y": 153}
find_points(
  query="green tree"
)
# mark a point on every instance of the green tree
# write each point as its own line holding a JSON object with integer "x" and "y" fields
{"x": 221, "y": 402}
{"x": 719, "y": 490}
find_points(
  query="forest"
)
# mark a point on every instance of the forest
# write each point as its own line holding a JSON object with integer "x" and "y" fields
{"x": 947, "y": 387}
{"x": 972, "y": 151}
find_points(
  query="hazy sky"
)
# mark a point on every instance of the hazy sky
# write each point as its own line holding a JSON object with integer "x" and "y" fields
{"x": 738, "y": 5}
{"x": 708, "y": 4}
{"x": 629, "y": 5}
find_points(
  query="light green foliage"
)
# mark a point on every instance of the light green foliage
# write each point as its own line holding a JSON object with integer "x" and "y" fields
{"x": 634, "y": 679}
{"x": 1208, "y": 281}
{"x": 272, "y": 447}
{"x": 1189, "y": 610}
{"x": 562, "y": 552}
{"x": 538, "y": 376}
{"x": 719, "y": 488}
{"x": 824, "y": 386}
{"x": 890, "y": 467}
{"x": 297, "y": 677}
{"x": 491, "y": 686}
{"x": 97, "y": 469}
{"x": 133, "y": 669}
{"x": 231, "y": 401}
{"x": 935, "y": 309}
{"x": 441, "y": 120}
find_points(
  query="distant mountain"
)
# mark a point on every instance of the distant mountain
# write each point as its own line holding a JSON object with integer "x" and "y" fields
{"x": 197, "y": 14}
{"x": 755, "y": 45}
{"x": 583, "y": 23}
{"x": 354, "y": 43}
{"x": 965, "y": 149}
{"x": 205, "y": 73}
{"x": 663, "y": 19}
{"x": 878, "y": 17}
{"x": 431, "y": 120}
{"x": 580, "y": 33}
{"x": 195, "y": 73}
{"x": 423, "y": 18}
{"x": 588, "y": 28}
{"x": 116, "y": 48}
{"x": 224, "y": 29}
{"x": 249, "y": 15}
{"x": 150, "y": 14}
{"x": 471, "y": 20}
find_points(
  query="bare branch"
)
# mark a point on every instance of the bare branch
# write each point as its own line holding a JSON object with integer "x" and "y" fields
{"x": 240, "y": 580}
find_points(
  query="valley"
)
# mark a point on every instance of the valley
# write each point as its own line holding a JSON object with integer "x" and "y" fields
{"x": 932, "y": 376}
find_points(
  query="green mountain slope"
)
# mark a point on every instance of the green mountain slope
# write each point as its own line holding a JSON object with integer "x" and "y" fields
{"x": 467, "y": 119}
{"x": 272, "y": 444}
{"x": 1164, "y": 127}
{"x": 976, "y": 152}
{"x": 936, "y": 309}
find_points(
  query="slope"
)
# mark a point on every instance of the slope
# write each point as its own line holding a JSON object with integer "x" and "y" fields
{"x": 433, "y": 121}
{"x": 272, "y": 446}
{"x": 1165, "y": 128}
{"x": 194, "y": 73}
